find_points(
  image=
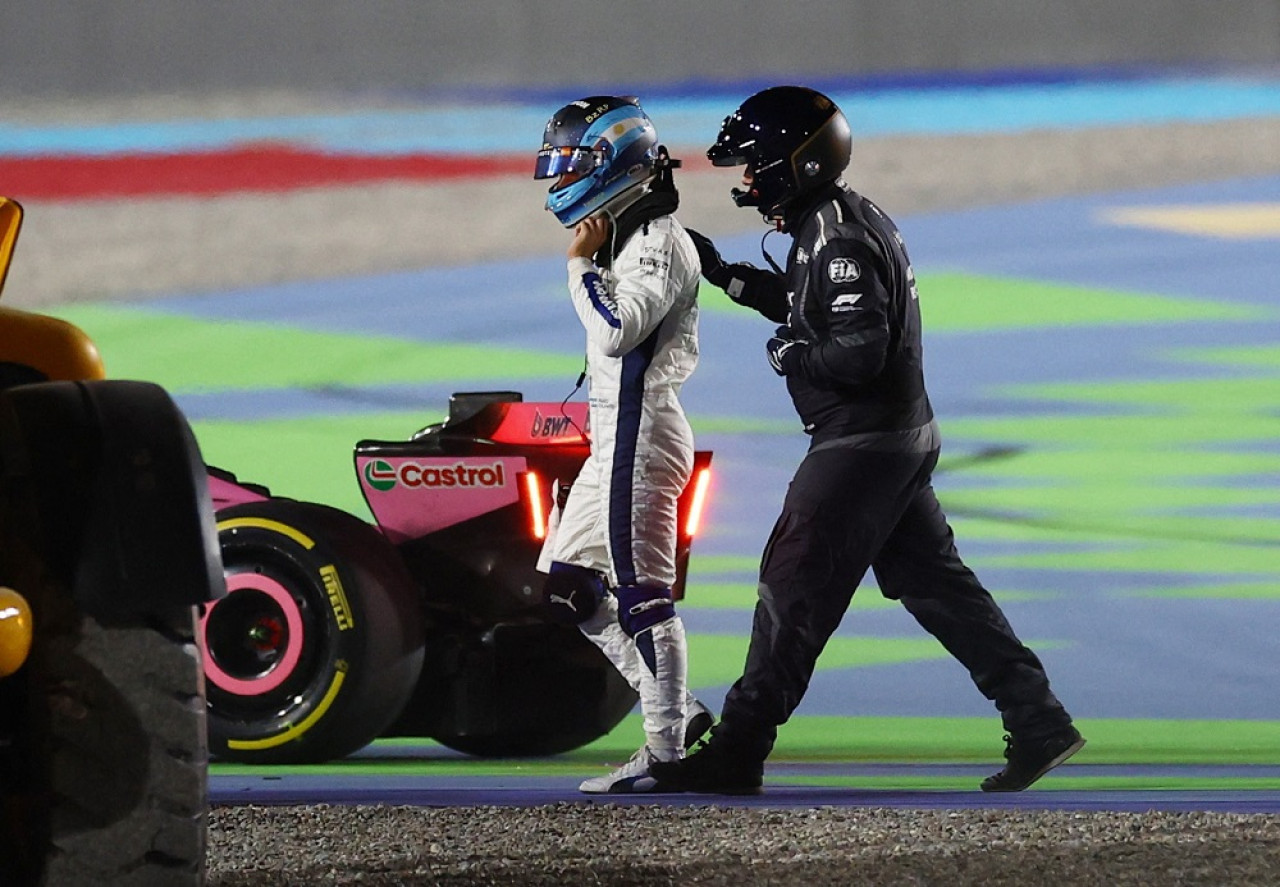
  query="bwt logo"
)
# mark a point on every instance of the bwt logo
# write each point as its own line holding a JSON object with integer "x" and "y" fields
{"x": 382, "y": 475}
{"x": 549, "y": 426}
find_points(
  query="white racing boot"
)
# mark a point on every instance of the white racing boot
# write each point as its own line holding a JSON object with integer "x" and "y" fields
{"x": 662, "y": 703}
{"x": 631, "y": 777}
{"x": 668, "y": 710}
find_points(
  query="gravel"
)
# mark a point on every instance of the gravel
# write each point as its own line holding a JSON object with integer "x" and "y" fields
{"x": 613, "y": 844}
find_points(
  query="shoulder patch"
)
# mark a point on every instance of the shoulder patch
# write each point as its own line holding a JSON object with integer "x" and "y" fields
{"x": 843, "y": 270}
{"x": 845, "y": 302}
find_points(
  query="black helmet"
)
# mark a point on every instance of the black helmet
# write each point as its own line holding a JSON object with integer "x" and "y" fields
{"x": 791, "y": 138}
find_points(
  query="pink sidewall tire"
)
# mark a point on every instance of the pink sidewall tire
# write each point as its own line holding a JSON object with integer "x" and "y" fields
{"x": 319, "y": 642}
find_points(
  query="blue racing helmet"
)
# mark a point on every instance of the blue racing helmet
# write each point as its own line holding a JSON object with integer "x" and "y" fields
{"x": 597, "y": 149}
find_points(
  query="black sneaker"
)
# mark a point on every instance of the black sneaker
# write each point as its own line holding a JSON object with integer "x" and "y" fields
{"x": 1028, "y": 760}
{"x": 710, "y": 769}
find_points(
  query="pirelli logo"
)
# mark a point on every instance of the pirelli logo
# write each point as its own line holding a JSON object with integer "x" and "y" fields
{"x": 337, "y": 597}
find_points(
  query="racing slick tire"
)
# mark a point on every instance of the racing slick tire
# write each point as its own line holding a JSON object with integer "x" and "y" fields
{"x": 103, "y": 776}
{"x": 318, "y": 644}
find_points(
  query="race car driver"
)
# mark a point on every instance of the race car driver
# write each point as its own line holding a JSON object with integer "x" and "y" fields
{"x": 633, "y": 280}
{"x": 848, "y": 345}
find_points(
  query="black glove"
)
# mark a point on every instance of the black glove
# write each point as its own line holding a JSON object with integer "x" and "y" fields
{"x": 784, "y": 351}
{"x": 714, "y": 268}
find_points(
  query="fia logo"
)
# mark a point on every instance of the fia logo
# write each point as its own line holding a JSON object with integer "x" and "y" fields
{"x": 843, "y": 270}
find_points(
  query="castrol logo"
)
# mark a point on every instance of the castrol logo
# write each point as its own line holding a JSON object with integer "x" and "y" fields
{"x": 381, "y": 475}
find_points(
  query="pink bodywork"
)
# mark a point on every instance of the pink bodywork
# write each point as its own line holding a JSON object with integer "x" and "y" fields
{"x": 411, "y": 496}
{"x": 226, "y": 493}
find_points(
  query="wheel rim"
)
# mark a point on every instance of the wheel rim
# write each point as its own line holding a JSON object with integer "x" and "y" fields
{"x": 253, "y": 637}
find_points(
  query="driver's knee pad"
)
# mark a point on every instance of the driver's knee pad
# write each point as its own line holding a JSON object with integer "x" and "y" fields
{"x": 643, "y": 606}
{"x": 571, "y": 593}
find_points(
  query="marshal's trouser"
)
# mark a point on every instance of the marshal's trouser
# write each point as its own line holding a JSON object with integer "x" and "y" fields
{"x": 848, "y": 510}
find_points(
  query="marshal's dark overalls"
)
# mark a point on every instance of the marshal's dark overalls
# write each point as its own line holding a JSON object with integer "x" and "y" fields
{"x": 863, "y": 496}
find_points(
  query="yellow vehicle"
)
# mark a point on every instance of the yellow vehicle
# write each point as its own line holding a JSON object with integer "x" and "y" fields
{"x": 107, "y": 548}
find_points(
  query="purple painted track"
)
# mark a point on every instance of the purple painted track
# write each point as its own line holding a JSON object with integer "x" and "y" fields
{"x": 408, "y": 780}
{"x": 781, "y": 790}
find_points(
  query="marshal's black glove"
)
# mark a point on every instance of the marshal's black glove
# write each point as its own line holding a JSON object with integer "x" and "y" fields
{"x": 784, "y": 351}
{"x": 714, "y": 268}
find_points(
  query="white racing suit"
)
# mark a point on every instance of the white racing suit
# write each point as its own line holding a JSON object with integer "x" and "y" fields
{"x": 620, "y": 517}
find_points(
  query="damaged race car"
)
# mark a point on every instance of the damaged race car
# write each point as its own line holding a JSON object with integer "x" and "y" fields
{"x": 427, "y": 622}
{"x": 107, "y": 548}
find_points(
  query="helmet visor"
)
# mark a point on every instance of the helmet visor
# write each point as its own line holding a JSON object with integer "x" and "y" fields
{"x": 553, "y": 162}
{"x": 735, "y": 145}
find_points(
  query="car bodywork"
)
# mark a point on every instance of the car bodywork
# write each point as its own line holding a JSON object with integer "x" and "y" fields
{"x": 445, "y": 591}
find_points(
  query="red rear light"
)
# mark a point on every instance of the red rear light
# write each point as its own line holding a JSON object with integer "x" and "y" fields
{"x": 701, "y": 481}
{"x": 537, "y": 506}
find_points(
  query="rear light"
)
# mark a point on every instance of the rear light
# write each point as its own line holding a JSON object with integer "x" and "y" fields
{"x": 701, "y": 481}
{"x": 537, "y": 505}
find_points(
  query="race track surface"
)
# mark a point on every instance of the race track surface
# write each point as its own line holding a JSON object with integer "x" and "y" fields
{"x": 1102, "y": 355}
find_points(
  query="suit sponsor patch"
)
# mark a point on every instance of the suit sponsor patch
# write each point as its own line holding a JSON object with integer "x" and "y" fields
{"x": 601, "y": 299}
{"x": 655, "y": 264}
{"x": 845, "y": 302}
{"x": 843, "y": 270}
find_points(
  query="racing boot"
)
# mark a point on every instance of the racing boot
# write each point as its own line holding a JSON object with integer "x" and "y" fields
{"x": 648, "y": 621}
{"x": 631, "y": 778}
